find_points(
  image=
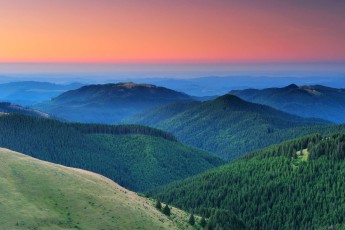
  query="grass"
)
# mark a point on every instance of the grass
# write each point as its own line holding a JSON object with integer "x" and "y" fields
{"x": 302, "y": 156}
{"x": 39, "y": 195}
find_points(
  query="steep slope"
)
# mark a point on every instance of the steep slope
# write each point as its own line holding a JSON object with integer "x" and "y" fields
{"x": 39, "y": 195}
{"x": 227, "y": 125}
{"x": 6, "y": 107}
{"x": 295, "y": 185}
{"x": 32, "y": 92}
{"x": 109, "y": 103}
{"x": 306, "y": 101}
{"x": 136, "y": 157}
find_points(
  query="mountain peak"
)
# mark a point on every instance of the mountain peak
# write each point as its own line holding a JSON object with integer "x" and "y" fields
{"x": 292, "y": 86}
{"x": 130, "y": 85}
{"x": 111, "y": 102}
{"x": 231, "y": 99}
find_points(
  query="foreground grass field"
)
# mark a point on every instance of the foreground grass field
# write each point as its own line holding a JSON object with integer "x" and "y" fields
{"x": 39, "y": 195}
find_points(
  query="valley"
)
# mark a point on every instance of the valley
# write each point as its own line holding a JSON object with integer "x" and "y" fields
{"x": 179, "y": 160}
{"x": 136, "y": 157}
{"x": 228, "y": 125}
{"x": 176, "y": 115}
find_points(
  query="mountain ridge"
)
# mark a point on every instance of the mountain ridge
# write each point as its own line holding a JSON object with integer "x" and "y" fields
{"x": 7, "y": 107}
{"x": 227, "y": 125}
{"x": 110, "y": 103}
{"x": 136, "y": 157}
{"x": 307, "y": 100}
{"x": 297, "y": 184}
{"x": 52, "y": 196}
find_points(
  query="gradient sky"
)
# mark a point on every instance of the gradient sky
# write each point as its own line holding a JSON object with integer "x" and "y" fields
{"x": 157, "y": 31}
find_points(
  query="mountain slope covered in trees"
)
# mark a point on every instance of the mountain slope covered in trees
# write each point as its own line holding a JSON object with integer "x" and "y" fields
{"x": 109, "y": 103}
{"x": 298, "y": 184}
{"x": 306, "y": 101}
{"x": 7, "y": 107}
{"x": 136, "y": 157}
{"x": 228, "y": 125}
{"x": 39, "y": 195}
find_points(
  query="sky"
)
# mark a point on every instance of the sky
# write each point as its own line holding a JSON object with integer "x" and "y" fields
{"x": 175, "y": 31}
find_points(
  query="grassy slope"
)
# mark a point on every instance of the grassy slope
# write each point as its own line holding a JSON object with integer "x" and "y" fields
{"x": 39, "y": 195}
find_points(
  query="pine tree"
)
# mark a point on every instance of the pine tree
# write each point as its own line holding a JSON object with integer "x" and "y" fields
{"x": 166, "y": 210}
{"x": 191, "y": 219}
{"x": 203, "y": 222}
{"x": 158, "y": 205}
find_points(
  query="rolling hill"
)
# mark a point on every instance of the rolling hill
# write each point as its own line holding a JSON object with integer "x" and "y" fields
{"x": 136, "y": 157}
{"x": 40, "y": 195}
{"x": 109, "y": 103}
{"x": 298, "y": 184}
{"x": 7, "y": 107}
{"x": 32, "y": 92}
{"x": 306, "y": 101}
{"x": 228, "y": 125}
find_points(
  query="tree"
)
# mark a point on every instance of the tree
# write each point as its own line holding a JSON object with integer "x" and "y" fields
{"x": 203, "y": 222}
{"x": 191, "y": 219}
{"x": 158, "y": 205}
{"x": 166, "y": 210}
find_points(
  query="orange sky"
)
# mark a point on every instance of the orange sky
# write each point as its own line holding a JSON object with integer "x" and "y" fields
{"x": 171, "y": 31}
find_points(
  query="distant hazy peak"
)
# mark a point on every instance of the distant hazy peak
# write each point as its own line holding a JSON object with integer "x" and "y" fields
{"x": 130, "y": 85}
{"x": 292, "y": 86}
{"x": 7, "y": 107}
{"x": 305, "y": 100}
{"x": 230, "y": 99}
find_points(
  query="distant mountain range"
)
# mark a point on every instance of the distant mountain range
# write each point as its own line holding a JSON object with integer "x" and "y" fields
{"x": 306, "y": 101}
{"x": 297, "y": 184}
{"x": 109, "y": 103}
{"x": 52, "y": 196}
{"x": 228, "y": 125}
{"x": 6, "y": 107}
{"x": 32, "y": 92}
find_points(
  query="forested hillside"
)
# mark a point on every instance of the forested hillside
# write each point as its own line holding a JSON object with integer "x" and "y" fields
{"x": 40, "y": 195}
{"x": 134, "y": 156}
{"x": 298, "y": 184}
{"x": 7, "y": 107}
{"x": 228, "y": 126}
{"x": 306, "y": 101}
{"x": 109, "y": 103}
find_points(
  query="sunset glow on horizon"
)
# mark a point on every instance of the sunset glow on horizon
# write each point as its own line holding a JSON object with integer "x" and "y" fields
{"x": 128, "y": 31}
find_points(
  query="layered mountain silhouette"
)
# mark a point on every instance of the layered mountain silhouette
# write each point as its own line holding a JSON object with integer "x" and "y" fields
{"x": 7, "y": 107}
{"x": 306, "y": 101}
{"x": 32, "y": 92}
{"x": 228, "y": 125}
{"x": 109, "y": 103}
